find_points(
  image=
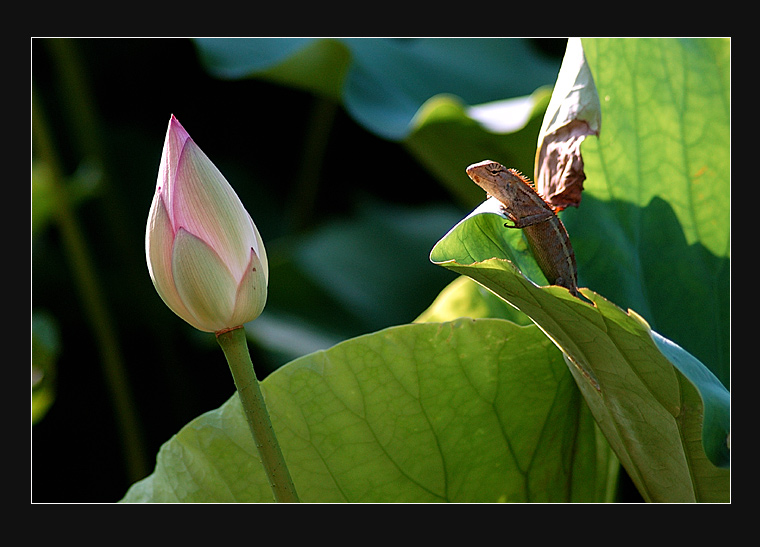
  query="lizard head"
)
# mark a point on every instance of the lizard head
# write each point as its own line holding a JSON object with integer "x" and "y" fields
{"x": 485, "y": 168}
{"x": 487, "y": 172}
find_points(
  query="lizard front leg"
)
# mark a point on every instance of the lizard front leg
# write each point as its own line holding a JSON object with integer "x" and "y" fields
{"x": 529, "y": 220}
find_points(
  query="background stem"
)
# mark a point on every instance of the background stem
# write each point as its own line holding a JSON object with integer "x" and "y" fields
{"x": 235, "y": 348}
{"x": 92, "y": 296}
{"x": 303, "y": 200}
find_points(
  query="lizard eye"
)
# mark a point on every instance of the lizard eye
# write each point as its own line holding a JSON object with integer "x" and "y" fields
{"x": 495, "y": 168}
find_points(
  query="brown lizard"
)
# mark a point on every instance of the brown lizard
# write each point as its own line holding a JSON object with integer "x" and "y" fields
{"x": 544, "y": 231}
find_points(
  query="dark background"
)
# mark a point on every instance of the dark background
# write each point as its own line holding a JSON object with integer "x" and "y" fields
{"x": 116, "y": 108}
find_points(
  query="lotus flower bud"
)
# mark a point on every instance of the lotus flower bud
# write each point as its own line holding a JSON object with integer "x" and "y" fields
{"x": 204, "y": 253}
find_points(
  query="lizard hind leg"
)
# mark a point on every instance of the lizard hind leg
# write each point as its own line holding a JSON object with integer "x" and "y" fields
{"x": 573, "y": 290}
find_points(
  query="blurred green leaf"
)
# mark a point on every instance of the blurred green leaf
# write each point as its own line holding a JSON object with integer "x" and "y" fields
{"x": 450, "y": 102}
{"x": 665, "y": 414}
{"x": 448, "y": 136}
{"x": 80, "y": 186}
{"x": 383, "y": 82}
{"x": 350, "y": 277}
{"x": 318, "y": 66}
{"x": 464, "y": 411}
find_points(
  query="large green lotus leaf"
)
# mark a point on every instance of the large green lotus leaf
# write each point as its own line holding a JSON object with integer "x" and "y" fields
{"x": 383, "y": 83}
{"x": 465, "y": 411}
{"x": 652, "y": 232}
{"x": 663, "y": 412}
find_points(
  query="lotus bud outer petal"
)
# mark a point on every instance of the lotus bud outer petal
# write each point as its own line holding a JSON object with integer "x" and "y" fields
{"x": 207, "y": 206}
{"x": 251, "y": 293}
{"x": 159, "y": 241}
{"x": 174, "y": 143}
{"x": 204, "y": 283}
{"x": 261, "y": 253}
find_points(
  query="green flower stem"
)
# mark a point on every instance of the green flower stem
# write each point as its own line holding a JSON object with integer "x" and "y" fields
{"x": 235, "y": 348}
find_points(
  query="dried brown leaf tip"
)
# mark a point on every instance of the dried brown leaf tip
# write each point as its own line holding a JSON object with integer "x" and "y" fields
{"x": 560, "y": 175}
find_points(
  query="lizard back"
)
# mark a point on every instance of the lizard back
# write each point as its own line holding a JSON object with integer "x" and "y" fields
{"x": 544, "y": 231}
{"x": 550, "y": 244}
